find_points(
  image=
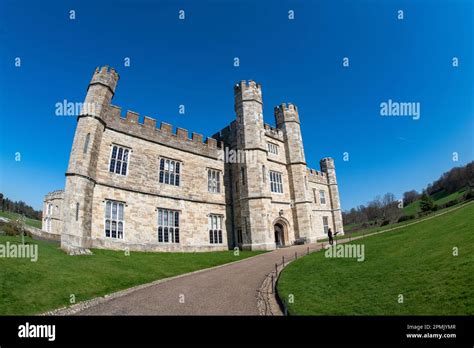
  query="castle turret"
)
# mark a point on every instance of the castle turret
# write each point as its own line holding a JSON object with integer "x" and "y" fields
{"x": 255, "y": 197}
{"x": 81, "y": 172}
{"x": 287, "y": 119}
{"x": 328, "y": 167}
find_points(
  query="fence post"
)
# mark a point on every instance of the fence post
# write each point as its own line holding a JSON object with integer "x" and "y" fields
{"x": 273, "y": 286}
{"x": 283, "y": 261}
{"x": 276, "y": 269}
{"x": 308, "y": 250}
{"x": 296, "y": 255}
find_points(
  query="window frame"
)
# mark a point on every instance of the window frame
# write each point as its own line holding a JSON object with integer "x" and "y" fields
{"x": 218, "y": 176}
{"x": 121, "y": 161}
{"x": 116, "y": 220}
{"x": 215, "y": 234}
{"x": 326, "y": 226}
{"x": 322, "y": 197}
{"x": 276, "y": 182}
{"x": 273, "y": 148}
{"x": 176, "y": 229}
{"x": 167, "y": 171}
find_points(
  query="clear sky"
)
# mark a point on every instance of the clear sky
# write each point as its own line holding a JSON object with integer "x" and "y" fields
{"x": 191, "y": 62}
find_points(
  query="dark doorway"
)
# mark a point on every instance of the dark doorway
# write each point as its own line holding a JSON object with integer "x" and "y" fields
{"x": 279, "y": 236}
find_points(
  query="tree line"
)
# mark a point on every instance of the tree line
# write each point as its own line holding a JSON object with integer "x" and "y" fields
{"x": 386, "y": 209}
{"x": 19, "y": 207}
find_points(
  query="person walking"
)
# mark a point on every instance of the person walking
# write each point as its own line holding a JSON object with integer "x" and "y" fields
{"x": 331, "y": 239}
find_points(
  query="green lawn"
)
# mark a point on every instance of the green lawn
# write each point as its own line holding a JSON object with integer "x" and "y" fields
{"x": 33, "y": 287}
{"x": 416, "y": 261}
{"x": 13, "y": 216}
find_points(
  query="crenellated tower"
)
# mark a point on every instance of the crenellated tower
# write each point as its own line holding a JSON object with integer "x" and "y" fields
{"x": 287, "y": 119}
{"x": 81, "y": 172}
{"x": 255, "y": 197}
{"x": 328, "y": 167}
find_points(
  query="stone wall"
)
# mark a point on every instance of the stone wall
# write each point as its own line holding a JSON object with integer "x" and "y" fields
{"x": 54, "y": 199}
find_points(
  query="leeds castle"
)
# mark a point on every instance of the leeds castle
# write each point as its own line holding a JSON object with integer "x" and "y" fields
{"x": 132, "y": 185}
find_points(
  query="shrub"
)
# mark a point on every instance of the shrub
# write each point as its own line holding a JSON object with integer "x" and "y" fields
{"x": 469, "y": 194}
{"x": 451, "y": 203}
{"x": 14, "y": 228}
{"x": 10, "y": 229}
{"x": 405, "y": 218}
{"x": 426, "y": 203}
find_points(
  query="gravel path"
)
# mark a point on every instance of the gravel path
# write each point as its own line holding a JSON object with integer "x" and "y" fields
{"x": 226, "y": 290}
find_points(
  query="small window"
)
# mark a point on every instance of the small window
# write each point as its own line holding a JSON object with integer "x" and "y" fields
{"x": 322, "y": 197}
{"x": 77, "y": 211}
{"x": 325, "y": 224}
{"x": 114, "y": 220}
{"x": 86, "y": 142}
{"x": 215, "y": 229}
{"x": 170, "y": 172}
{"x": 264, "y": 174}
{"x": 273, "y": 148}
{"x": 213, "y": 181}
{"x": 242, "y": 175}
{"x": 168, "y": 226}
{"x": 119, "y": 160}
{"x": 276, "y": 184}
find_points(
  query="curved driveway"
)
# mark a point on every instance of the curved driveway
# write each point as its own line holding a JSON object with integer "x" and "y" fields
{"x": 226, "y": 290}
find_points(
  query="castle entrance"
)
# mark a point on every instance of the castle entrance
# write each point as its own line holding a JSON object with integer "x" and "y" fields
{"x": 281, "y": 234}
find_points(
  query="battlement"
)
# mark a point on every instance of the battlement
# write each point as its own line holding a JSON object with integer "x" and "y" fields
{"x": 105, "y": 76}
{"x": 58, "y": 194}
{"x": 228, "y": 134}
{"x": 247, "y": 91}
{"x": 327, "y": 163}
{"x": 317, "y": 176}
{"x": 273, "y": 132}
{"x": 148, "y": 130}
{"x": 285, "y": 113}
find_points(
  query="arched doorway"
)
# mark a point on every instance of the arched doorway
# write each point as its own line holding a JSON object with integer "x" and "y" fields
{"x": 281, "y": 233}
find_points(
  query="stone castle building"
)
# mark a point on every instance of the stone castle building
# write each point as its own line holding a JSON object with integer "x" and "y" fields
{"x": 133, "y": 185}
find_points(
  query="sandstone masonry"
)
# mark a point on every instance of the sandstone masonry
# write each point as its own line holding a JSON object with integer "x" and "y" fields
{"x": 133, "y": 185}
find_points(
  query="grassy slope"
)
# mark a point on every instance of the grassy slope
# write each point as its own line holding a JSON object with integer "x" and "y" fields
{"x": 391, "y": 226}
{"x": 13, "y": 216}
{"x": 415, "y": 261}
{"x": 439, "y": 198}
{"x": 32, "y": 287}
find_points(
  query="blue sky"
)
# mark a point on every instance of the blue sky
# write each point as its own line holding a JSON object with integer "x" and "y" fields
{"x": 190, "y": 62}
